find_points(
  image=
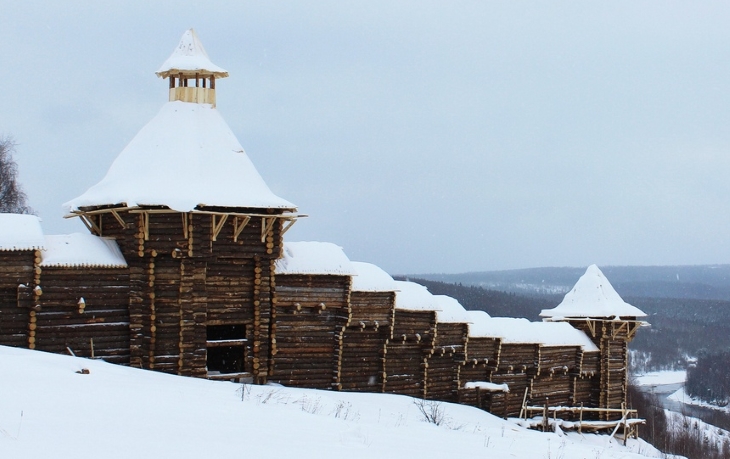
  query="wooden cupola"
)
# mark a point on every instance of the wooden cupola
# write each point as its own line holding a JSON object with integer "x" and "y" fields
{"x": 191, "y": 73}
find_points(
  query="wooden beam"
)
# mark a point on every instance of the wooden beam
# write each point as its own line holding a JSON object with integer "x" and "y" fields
{"x": 90, "y": 225}
{"x": 119, "y": 218}
{"x": 591, "y": 327}
{"x": 217, "y": 227}
{"x": 146, "y": 225}
{"x": 267, "y": 226}
{"x": 287, "y": 225}
{"x": 184, "y": 216}
{"x": 239, "y": 223}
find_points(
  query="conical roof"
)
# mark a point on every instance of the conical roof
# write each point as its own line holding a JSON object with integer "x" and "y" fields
{"x": 593, "y": 296}
{"x": 190, "y": 57}
{"x": 185, "y": 157}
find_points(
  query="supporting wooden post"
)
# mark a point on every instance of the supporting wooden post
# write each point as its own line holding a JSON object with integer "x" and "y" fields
{"x": 580, "y": 419}
{"x": 524, "y": 401}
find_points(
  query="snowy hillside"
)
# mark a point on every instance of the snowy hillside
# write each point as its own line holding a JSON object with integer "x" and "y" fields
{"x": 50, "y": 408}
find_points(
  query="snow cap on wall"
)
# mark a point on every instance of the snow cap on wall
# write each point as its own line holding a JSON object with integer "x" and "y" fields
{"x": 190, "y": 57}
{"x": 20, "y": 232}
{"x": 592, "y": 296}
{"x": 451, "y": 310}
{"x": 82, "y": 249}
{"x": 314, "y": 258}
{"x": 371, "y": 278}
{"x": 414, "y": 297}
{"x": 475, "y": 320}
{"x": 522, "y": 331}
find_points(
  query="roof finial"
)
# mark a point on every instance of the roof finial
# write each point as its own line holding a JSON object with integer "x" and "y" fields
{"x": 189, "y": 62}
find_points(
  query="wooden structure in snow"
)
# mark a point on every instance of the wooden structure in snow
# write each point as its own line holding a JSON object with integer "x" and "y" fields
{"x": 311, "y": 311}
{"x": 414, "y": 329}
{"x": 185, "y": 271}
{"x": 594, "y": 307}
{"x": 369, "y": 330}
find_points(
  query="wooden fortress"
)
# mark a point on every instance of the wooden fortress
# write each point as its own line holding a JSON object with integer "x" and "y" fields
{"x": 185, "y": 271}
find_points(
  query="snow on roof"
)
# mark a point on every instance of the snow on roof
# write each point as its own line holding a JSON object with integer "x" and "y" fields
{"x": 185, "y": 157}
{"x": 82, "y": 249}
{"x": 414, "y": 297}
{"x": 522, "y": 331}
{"x": 370, "y": 278}
{"x": 592, "y": 296}
{"x": 20, "y": 232}
{"x": 190, "y": 56}
{"x": 314, "y": 258}
{"x": 451, "y": 310}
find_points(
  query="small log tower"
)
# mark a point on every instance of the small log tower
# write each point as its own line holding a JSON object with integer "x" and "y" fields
{"x": 594, "y": 307}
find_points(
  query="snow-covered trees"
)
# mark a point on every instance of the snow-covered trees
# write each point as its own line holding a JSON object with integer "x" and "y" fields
{"x": 12, "y": 198}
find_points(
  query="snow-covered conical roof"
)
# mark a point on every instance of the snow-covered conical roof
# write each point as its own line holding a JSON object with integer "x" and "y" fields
{"x": 593, "y": 296}
{"x": 185, "y": 157}
{"x": 189, "y": 57}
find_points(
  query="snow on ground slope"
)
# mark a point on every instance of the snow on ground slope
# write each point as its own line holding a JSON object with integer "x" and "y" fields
{"x": 706, "y": 433}
{"x": 683, "y": 397}
{"x": 47, "y": 409}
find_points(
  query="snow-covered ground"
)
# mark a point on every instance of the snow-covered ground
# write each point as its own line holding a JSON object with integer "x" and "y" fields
{"x": 683, "y": 397}
{"x": 50, "y": 408}
{"x": 659, "y": 378}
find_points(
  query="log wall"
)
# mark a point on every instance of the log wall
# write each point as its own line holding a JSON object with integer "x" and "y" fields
{"x": 365, "y": 339}
{"x": 407, "y": 352}
{"x": 17, "y": 268}
{"x": 444, "y": 361}
{"x": 192, "y": 275}
{"x": 311, "y": 314}
{"x": 98, "y": 326}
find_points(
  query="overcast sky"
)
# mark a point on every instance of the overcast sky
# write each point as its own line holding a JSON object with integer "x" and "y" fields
{"x": 421, "y": 136}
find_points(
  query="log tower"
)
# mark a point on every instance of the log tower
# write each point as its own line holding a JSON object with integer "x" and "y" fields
{"x": 594, "y": 307}
{"x": 200, "y": 231}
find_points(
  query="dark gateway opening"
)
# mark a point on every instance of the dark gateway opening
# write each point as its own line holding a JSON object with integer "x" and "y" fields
{"x": 226, "y": 349}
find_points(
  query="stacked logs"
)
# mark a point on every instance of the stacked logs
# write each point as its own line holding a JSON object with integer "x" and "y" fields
{"x": 449, "y": 351}
{"x": 311, "y": 312}
{"x": 18, "y": 270}
{"x": 364, "y": 340}
{"x": 406, "y": 353}
{"x": 84, "y": 310}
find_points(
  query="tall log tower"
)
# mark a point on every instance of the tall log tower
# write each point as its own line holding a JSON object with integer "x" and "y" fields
{"x": 199, "y": 228}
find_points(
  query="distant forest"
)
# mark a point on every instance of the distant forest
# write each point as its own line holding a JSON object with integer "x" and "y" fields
{"x": 709, "y": 379}
{"x": 679, "y": 328}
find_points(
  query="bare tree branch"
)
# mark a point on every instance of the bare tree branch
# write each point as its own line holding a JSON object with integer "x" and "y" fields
{"x": 12, "y": 197}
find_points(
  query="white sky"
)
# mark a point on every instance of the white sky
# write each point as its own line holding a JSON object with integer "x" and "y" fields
{"x": 421, "y": 136}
